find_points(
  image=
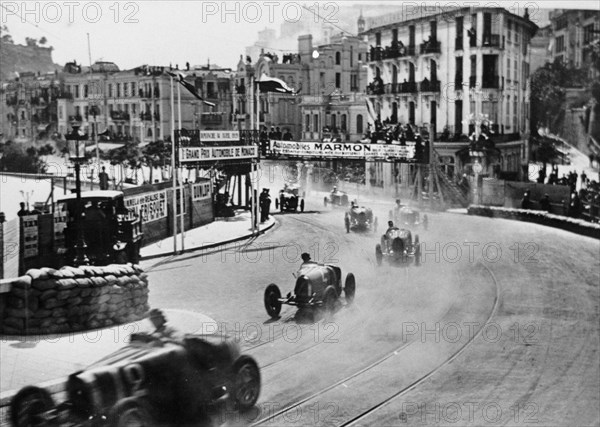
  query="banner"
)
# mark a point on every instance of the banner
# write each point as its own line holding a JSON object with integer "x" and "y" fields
{"x": 219, "y": 135}
{"x": 201, "y": 191}
{"x": 344, "y": 150}
{"x": 203, "y": 154}
{"x": 150, "y": 206}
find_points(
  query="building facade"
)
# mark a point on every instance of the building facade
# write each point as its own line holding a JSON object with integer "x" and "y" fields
{"x": 449, "y": 71}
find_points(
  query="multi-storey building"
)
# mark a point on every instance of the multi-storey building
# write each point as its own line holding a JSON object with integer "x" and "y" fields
{"x": 574, "y": 31}
{"x": 446, "y": 70}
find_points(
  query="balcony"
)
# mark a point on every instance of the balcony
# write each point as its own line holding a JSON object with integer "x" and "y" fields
{"x": 146, "y": 116}
{"x": 458, "y": 43}
{"x": 491, "y": 40}
{"x": 119, "y": 116}
{"x": 490, "y": 82}
{"x": 408, "y": 87}
{"x": 375, "y": 88}
{"x": 433, "y": 46}
{"x": 213, "y": 119}
{"x": 240, "y": 89}
{"x": 458, "y": 81}
{"x": 429, "y": 86}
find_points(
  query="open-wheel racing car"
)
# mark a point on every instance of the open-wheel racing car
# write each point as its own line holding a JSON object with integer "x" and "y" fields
{"x": 151, "y": 381}
{"x": 359, "y": 217}
{"x": 408, "y": 217}
{"x": 398, "y": 247}
{"x": 336, "y": 198}
{"x": 318, "y": 286}
{"x": 290, "y": 199}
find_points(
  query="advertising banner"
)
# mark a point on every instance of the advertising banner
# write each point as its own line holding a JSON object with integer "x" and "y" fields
{"x": 150, "y": 206}
{"x": 346, "y": 150}
{"x": 219, "y": 135}
{"x": 201, "y": 191}
{"x": 202, "y": 154}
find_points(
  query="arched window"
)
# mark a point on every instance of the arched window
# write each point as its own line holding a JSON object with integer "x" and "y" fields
{"x": 338, "y": 58}
{"x": 343, "y": 123}
{"x": 316, "y": 123}
{"x": 149, "y": 134}
{"x": 359, "y": 124}
{"x": 307, "y": 123}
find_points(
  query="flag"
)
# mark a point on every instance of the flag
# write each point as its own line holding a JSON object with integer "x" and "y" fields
{"x": 370, "y": 110}
{"x": 273, "y": 84}
{"x": 191, "y": 88}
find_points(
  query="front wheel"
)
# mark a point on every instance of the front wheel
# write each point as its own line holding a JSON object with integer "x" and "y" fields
{"x": 272, "y": 303}
{"x": 28, "y": 405}
{"x": 130, "y": 412}
{"x": 350, "y": 288}
{"x": 246, "y": 385}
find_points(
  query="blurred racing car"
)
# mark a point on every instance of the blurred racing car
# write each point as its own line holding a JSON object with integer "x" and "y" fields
{"x": 289, "y": 199}
{"x": 408, "y": 217}
{"x": 359, "y": 217}
{"x": 398, "y": 247}
{"x": 318, "y": 286}
{"x": 336, "y": 198}
{"x": 151, "y": 381}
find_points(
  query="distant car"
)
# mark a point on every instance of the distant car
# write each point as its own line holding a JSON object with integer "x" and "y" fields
{"x": 318, "y": 286}
{"x": 359, "y": 217}
{"x": 290, "y": 199}
{"x": 150, "y": 381}
{"x": 408, "y": 217}
{"x": 336, "y": 198}
{"x": 398, "y": 247}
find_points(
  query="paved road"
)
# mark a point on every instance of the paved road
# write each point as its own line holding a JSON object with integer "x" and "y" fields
{"x": 499, "y": 326}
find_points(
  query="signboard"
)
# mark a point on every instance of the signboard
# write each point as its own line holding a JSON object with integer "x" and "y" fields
{"x": 344, "y": 150}
{"x": 60, "y": 223}
{"x": 219, "y": 135}
{"x": 201, "y": 191}
{"x": 30, "y": 236}
{"x": 203, "y": 154}
{"x": 150, "y": 206}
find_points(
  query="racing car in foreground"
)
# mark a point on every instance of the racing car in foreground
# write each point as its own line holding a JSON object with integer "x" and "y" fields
{"x": 289, "y": 199}
{"x": 398, "y": 247}
{"x": 336, "y": 198}
{"x": 405, "y": 216}
{"x": 151, "y": 381}
{"x": 359, "y": 217}
{"x": 318, "y": 286}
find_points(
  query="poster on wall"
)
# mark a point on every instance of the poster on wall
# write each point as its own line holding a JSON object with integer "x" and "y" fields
{"x": 60, "y": 223}
{"x": 30, "y": 236}
{"x": 150, "y": 206}
{"x": 200, "y": 191}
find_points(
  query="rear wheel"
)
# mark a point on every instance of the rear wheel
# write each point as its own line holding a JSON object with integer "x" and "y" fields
{"x": 272, "y": 303}
{"x": 378, "y": 254}
{"x": 329, "y": 298}
{"x": 27, "y": 406}
{"x": 246, "y": 386}
{"x": 350, "y": 288}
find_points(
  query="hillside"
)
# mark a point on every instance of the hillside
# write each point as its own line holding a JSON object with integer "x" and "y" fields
{"x": 19, "y": 58}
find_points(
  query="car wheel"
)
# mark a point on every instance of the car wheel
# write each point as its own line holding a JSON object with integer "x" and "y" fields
{"x": 302, "y": 205}
{"x": 325, "y": 201}
{"x": 329, "y": 298}
{"x": 246, "y": 384}
{"x": 28, "y": 404}
{"x": 130, "y": 412}
{"x": 272, "y": 303}
{"x": 350, "y": 288}
{"x": 378, "y": 254}
{"x": 347, "y": 223}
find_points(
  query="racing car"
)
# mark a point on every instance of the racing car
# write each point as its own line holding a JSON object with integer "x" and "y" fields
{"x": 398, "y": 247}
{"x": 150, "y": 381}
{"x": 336, "y": 198}
{"x": 318, "y": 286}
{"x": 406, "y": 216}
{"x": 359, "y": 217}
{"x": 289, "y": 199}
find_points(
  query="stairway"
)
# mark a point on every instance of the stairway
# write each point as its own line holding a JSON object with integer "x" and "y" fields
{"x": 450, "y": 189}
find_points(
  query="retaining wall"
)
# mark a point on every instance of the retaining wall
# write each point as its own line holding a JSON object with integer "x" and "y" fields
{"x": 47, "y": 301}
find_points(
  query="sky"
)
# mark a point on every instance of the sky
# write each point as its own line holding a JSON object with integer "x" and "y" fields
{"x": 132, "y": 33}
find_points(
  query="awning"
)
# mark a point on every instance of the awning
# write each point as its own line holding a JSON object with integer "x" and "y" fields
{"x": 104, "y": 146}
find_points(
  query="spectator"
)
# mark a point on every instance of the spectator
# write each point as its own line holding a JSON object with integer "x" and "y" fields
{"x": 23, "y": 211}
{"x": 287, "y": 136}
{"x": 265, "y": 204}
{"x": 272, "y": 134}
{"x": 575, "y": 206}
{"x": 526, "y": 202}
{"x": 103, "y": 178}
{"x": 278, "y": 135}
{"x": 545, "y": 203}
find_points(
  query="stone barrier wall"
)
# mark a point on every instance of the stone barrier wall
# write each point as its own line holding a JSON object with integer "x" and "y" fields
{"x": 573, "y": 225}
{"x": 48, "y": 301}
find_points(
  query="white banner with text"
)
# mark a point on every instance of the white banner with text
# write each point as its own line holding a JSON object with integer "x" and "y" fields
{"x": 346, "y": 150}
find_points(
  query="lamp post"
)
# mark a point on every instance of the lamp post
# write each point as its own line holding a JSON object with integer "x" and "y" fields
{"x": 76, "y": 146}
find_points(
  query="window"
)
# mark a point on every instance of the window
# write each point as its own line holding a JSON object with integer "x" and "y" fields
{"x": 307, "y": 123}
{"x": 359, "y": 124}
{"x": 322, "y": 80}
{"x": 76, "y": 91}
{"x": 354, "y": 83}
{"x": 588, "y": 34}
{"x": 562, "y": 22}
{"x": 560, "y": 44}
{"x": 125, "y": 89}
{"x": 360, "y": 56}
{"x": 351, "y": 56}
{"x": 338, "y": 80}
{"x": 134, "y": 109}
{"x": 509, "y": 31}
{"x": 377, "y": 39}
{"x": 85, "y": 91}
{"x": 316, "y": 123}
{"x": 516, "y": 71}
{"x": 118, "y": 90}
{"x": 110, "y": 92}
{"x": 343, "y": 123}
{"x": 338, "y": 58}
{"x": 508, "y": 69}
{"x": 133, "y": 91}
{"x": 86, "y": 112}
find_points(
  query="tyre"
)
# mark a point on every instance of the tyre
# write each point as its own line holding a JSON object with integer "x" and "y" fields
{"x": 350, "y": 288}
{"x": 325, "y": 201}
{"x": 329, "y": 299}
{"x": 131, "y": 411}
{"x": 378, "y": 254}
{"x": 347, "y": 223}
{"x": 28, "y": 404}
{"x": 246, "y": 383}
{"x": 302, "y": 205}
{"x": 272, "y": 303}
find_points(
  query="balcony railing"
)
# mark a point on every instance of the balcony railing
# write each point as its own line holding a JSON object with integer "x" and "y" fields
{"x": 76, "y": 118}
{"x": 491, "y": 40}
{"x": 408, "y": 87}
{"x": 490, "y": 82}
{"x": 375, "y": 88}
{"x": 119, "y": 115}
{"x": 146, "y": 116}
{"x": 458, "y": 43}
{"x": 429, "y": 86}
{"x": 433, "y": 46}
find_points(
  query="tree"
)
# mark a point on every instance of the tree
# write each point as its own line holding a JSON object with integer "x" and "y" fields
{"x": 18, "y": 159}
{"x": 30, "y": 41}
{"x": 155, "y": 154}
{"x": 6, "y": 38}
{"x": 43, "y": 41}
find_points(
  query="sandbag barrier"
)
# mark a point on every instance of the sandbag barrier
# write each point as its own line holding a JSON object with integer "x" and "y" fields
{"x": 48, "y": 301}
{"x": 573, "y": 225}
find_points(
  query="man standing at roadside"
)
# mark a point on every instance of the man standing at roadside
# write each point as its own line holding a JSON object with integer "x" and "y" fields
{"x": 103, "y": 178}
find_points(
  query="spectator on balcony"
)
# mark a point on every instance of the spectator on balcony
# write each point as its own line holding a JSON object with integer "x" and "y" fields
{"x": 103, "y": 178}
{"x": 23, "y": 211}
{"x": 272, "y": 134}
{"x": 287, "y": 135}
{"x": 278, "y": 135}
